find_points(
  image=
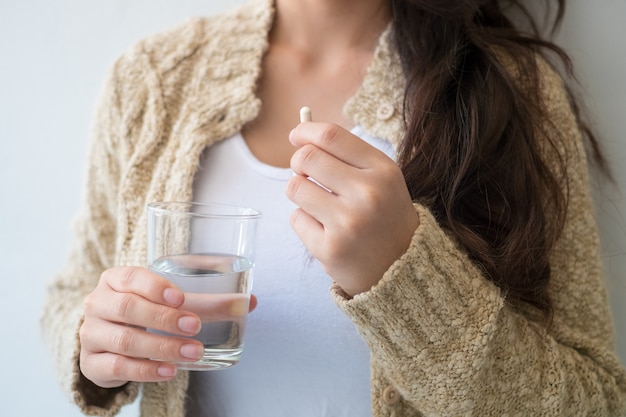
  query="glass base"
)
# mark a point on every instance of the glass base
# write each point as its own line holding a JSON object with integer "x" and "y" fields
{"x": 213, "y": 360}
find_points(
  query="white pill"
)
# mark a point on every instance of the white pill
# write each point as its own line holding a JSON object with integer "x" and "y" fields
{"x": 305, "y": 115}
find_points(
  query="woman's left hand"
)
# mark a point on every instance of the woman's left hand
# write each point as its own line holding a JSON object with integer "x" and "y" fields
{"x": 366, "y": 222}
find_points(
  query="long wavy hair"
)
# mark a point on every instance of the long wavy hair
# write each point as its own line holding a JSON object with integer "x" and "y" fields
{"x": 471, "y": 151}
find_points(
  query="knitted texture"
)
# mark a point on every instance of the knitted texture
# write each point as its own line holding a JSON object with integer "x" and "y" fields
{"x": 443, "y": 340}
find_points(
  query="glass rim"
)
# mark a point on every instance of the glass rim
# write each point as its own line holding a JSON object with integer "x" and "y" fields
{"x": 206, "y": 210}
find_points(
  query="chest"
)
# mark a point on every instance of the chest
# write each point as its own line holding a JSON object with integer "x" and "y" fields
{"x": 296, "y": 322}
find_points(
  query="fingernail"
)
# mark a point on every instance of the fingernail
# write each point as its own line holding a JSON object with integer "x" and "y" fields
{"x": 173, "y": 296}
{"x": 291, "y": 136}
{"x": 166, "y": 370}
{"x": 192, "y": 351}
{"x": 189, "y": 324}
{"x": 239, "y": 308}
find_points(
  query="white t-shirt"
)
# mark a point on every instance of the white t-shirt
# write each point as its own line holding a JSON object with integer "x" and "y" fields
{"x": 302, "y": 356}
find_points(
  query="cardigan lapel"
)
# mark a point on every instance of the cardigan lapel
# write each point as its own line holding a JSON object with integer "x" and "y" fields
{"x": 378, "y": 104}
{"x": 215, "y": 101}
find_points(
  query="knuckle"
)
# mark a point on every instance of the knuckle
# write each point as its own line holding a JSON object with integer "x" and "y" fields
{"x": 146, "y": 371}
{"x": 162, "y": 318}
{"x": 351, "y": 220}
{"x": 86, "y": 364}
{"x": 329, "y": 135}
{"x": 123, "y": 305}
{"x": 389, "y": 170}
{"x": 124, "y": 340}
{"x": 84, "y": 334}
{"x": 106, "y": 275}
{"x": 305, "y": 157}
{"x": 88, "y": 304}
{"x": 294, "y": 218}
{"x": 293, "y": 188}
{"x": 351, "y": 225}
{"x": 126, "y": 276}
{"x": 309, "y": 155}
{"x": 118, "y": 367}
{"x": 371, "y": 199}
{"x": 164, "y": 349}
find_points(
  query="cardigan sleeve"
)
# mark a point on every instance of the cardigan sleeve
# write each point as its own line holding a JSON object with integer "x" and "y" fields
{"x": 445, "y": 339}
{"x": 94, "y": 247}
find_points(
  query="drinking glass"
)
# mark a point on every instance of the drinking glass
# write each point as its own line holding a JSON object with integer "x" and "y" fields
{"x": 207, "y": 250}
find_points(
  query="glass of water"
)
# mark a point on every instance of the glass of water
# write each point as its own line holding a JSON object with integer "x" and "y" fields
{"x": 207, "y": 250}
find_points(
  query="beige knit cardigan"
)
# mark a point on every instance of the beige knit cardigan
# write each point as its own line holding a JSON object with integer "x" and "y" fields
{"x": 443, "y": 340}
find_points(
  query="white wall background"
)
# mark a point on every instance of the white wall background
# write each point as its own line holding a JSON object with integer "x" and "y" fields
{"x": 53, "y": 57}
{"x": 593, "y": 33}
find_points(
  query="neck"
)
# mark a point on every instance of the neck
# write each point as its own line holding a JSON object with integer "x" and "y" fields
{"x": 321, "y": 27}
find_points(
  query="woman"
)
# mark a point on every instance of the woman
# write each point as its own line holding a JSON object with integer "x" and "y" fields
{"x": 469, "y": 268}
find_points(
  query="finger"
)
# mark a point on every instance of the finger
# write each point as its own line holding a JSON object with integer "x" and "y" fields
{"x": 217, "y": 307}
{"x": 308, "y": 229}
{"x": 328, "y": 171}
{"x": 338, "y": 142}
{"x": 132, "y": 309}
{"x": 314, "y": 200}
{"x": 109, "y": 370}
{"x": 102, "y": 336}
{"x": 143, "y": 282}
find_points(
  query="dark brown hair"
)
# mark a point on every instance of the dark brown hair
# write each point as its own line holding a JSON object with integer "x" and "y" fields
{"x": 471, "y": 148}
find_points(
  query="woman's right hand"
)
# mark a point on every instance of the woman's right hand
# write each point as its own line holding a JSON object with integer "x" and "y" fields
{"x": 115, "y": 346}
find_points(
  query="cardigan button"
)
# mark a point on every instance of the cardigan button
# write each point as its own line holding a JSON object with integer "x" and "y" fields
{"x": 390, "y": 395}
{"x": 385, "y": 111}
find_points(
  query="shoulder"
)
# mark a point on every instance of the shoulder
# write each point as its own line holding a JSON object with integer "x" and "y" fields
{"x": 559, "y": 135}
{"x": 199, "y": 36}
{"x": 544, "y": 85}
{"x": 190, "y": 63}
{"x": 535, "y": 75}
